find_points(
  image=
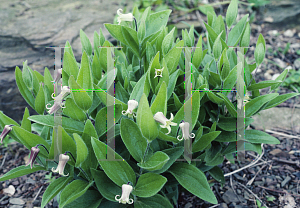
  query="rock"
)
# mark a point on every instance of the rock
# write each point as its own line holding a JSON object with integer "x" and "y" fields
{"x": 188, "y": 205}
{"x": 273, "y": 32}
{"x": 289, "y": 33}
{"x": 4, "y": 202}
{"x": 297, "y": 63}
{"x": 16, "y": 201}
{"x": 229, "y": 196}
{"x": 10, "y": 190}
{"x": 15, "y": 183}
{"x": 289, "y": 68}
{"x": 268, "y": 19}
{"x": 280, "y": 11}
{"x": 223, "y": 205}
{"x": 267, "y": 76}
{"x": 280, "y": 62}
{"x": 275, "y": 76}
{"x": 285, "y": 181}
{"x": 295, "y": 45}
{"x": 275, "y": 151}
{"x": 16, "y": 206}
{"x": 29, "y": 180}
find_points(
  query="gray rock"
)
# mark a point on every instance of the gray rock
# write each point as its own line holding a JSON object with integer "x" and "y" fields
{"x": 285, "y": 181}
{"x": 282, "y": 10}
{"x": 223, "y": 205}
{"x": 16, "y": 201}
{"x": 297, "y": 63}
{"x": 289, "y": 33}
{"x": 16, "y": 206}
{"x": 229, "y": 196}
{"x": 280, "y": 62}
{"x": 31, "y": 181}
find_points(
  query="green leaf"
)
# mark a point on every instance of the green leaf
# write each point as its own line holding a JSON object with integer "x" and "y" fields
{"x": 156, "y": 201}
{"x": 235, "y": 34}
{"x": 131, "y": 38}
{"x": 204, "y": 141}
{"x": 84, "y": 78}
{"x": 174, "y": 154}
{"x": 230, "y": 80}
{"x": 141, "y": 87}
{"x": 281, "y": 77}
{"x": 156, "y": 21}
{"x": 27, "y": 76}
{"x": 172, "y": 83}
{"x": 149, "y": 184}
{"x": 117, "y": 170}
{"x": 81, "y": 150}
{"x": 177, "y": 102}
{"x": 261, "y": 40}
{"x": 26, "y": 124}
{"x": 258, "y": 137}
{"x": 145, "y": 119}
{"x": 155, "y": 162}
{"x": 102, "y": 38}
{"x": 165, "y": 77}
{"x": 173, "y": 56}
{"x": 66, "y": 143}
{"x": 5, "y": 120}
{"x": 217, "y": 48}
{"x": 68, "y": 49}
{"x": 263, "y": 84}
{"x": 121, "y": 93}
{"x": 245, "y": 39}
{"x": 96, "y": 45}
{"x": 39, "y": 77}
{"x": 205, "y": 8}
{"x": 217, "y": 174}
{"x": 231, "y": 13}
{"x": 72, "y": 191}
{"x": 73, "y": 111}
{"x": 133, "y": 139}
{"x": 226, "y": 136}
{"x": 70, "y": 65}
{"x": 151, "y": 72}
{"x": 90, "y": 199}
{"x": 254, "y": 105}
{"x": 40, "y": 101}
{"x": 101, "y": 119}
{"x": 168, "y": 42}
{"x": 259, "y": 54}
{"x": 230, "y": 107}
{"x": 85, "y": 42}
{"x": 219, "y": 27}
{"x": 197, "y": 57}
{"x": 213, "y": 35}
{"x": 214, "y": 98}
{"x": 103, "y": 57}
{"x": 106, "y": 187}
{"x": 54, "y": 188}
{"x": 160, "y": 102}
{"x": 193, "y": 180}
{"x": 81, "y": 97}
{"x": 68, "y": 124}
{"x": 47, "y": 82}
{"x": 20, "y": 171}
{"x": 30, "y": 140}
{"x": 25, "y": 92}
{"x": 280, "y": 99}
{"x": 141, "y": 31}
{"x": 96, "y": 68}
{"x": 230, "y": 124}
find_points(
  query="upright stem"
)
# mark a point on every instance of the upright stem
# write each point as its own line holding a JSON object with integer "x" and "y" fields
{"x": 42, "y": 146}
{"x": 135, "y": 24}
{"x": 148, "y": 145}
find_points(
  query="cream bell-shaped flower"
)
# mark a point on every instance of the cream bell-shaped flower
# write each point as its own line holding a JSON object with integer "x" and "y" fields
{"x": 65, "y": 91}
{"x": 57, "y": 105}
{"x": 132, "y": 104}
{"x": 184, "y": 126}
{"x": 158, "y": 72}
{"x": 58, "y": 76}
{"x": 6, "y": 130}
{"x": 33, "y": 153}
{"x": 126, "y": 190}
{"x": 63, "y": 159}
{"x": 159, "y": 116}
{"x": 124, "y": 17}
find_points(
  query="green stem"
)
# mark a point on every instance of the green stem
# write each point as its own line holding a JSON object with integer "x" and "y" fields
{"x": 148, "y": 145}
{"x": 79, "y": 167}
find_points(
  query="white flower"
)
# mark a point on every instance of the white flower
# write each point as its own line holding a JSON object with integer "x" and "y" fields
{"x": 65, "y": 91}
{"x": 58, "y": 76}
{"x": 124, "y": 17}
{"x": 126, "y": 190}
{"x": 184, "y": 126}
{"x": 132, "y": 104}
{"x": 57, "y": 105}
{"x": 63, "y": 159}
{"x": 159, "y": 116}
{"x": 158, "y": 72}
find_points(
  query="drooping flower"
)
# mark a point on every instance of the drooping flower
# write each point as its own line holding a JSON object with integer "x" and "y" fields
{"x": 65, "y": 91}
{"x": 33, "y": 153}
{"x": 132, "y": 104}
{"x": 159, "y": 116}
{"x": 57, "y": 105}
{"x": 63, "y": 159}
{"x": 126, "y": 190}
{"x": 124, "y": 17}
{"x": 6, "y": 130}
{"x": 158, "y": 72}
{"x": 184, "y": 126}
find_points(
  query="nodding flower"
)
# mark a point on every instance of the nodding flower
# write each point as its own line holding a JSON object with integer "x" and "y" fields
{"x": 126, "y": 190}
{"x": 65, "y": 91}
{"x": 63, "y": 159}
{"x": 124, "y": 17}
{"x": 184, "y": 126}
{"x": 5, "y": 132}
{"x": 57, "y": 105}
{"x": 33, "y": 154}
{"x": 159, "y": 116}
{"x": 132, "y": 104}
{"x": 158, "y": 72}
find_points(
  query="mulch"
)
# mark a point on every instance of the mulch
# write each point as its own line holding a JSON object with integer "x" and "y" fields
{"x": 277, "y": 173}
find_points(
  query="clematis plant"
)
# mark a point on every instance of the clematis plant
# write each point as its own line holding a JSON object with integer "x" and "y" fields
{"x": 118, "y": 140}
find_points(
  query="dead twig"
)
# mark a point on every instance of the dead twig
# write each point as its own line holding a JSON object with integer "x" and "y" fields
{"x": 3, "y": 160}
{"x": 252, "y": 194}
{"x": 282, "y": 134}
{"x": 297, "y": 163}
{"x": 251, "y": 181}
{"x": 283, "y": 192}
